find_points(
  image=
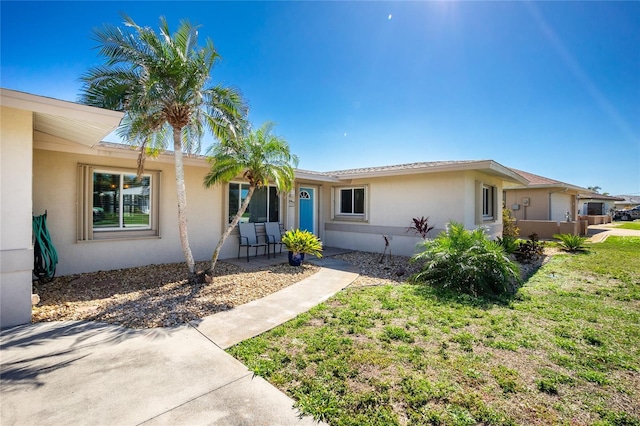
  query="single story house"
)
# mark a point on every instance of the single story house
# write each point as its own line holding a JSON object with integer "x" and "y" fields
{"x": 100, "y": 217}
{"x": 627, "y": 202}
{"x": 544, "y": 206}
{"x": 597, "y": 208}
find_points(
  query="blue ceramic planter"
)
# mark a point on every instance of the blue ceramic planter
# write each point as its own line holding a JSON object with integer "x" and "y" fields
{"x": 296, "y": 259}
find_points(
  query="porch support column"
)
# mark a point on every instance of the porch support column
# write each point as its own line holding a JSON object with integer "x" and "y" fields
{"x": 16, "y": 249}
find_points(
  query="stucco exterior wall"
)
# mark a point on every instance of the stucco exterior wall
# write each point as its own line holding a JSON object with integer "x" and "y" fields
{"x": 393, "y": 201}
{"x": 538, "y": 200}
{"x": 546, "y": 229}
{"x": 16, "y": 250}
{"x": 539, "y": 207}
{"x": 54, "y": 190}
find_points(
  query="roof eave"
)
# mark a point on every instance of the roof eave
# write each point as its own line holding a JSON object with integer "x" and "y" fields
{"x": 314, "y": 176}
{"x": 487, "y": 166}
{"x": 77, "y": 123}
{"x": 559, "y": 186}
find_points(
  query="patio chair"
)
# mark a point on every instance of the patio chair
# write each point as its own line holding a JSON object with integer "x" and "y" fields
{"x": 274, "y": 235}
{"x": 249, "y": 239}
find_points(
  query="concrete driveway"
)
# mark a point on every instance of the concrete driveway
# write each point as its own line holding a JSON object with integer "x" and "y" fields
{"x": 98, "y": 374}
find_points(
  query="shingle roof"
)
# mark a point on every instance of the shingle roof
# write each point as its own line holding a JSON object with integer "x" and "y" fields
{"x": 541, "y": 181}
{"x": 400, "y": 167}
{"x": 537, "y": 179}
{"x": 630, "y": 199}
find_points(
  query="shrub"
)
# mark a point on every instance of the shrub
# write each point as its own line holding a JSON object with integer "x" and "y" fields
{"x": 530, "y": 250}
{"x": 420, "y": 226}
{"x": 571, "y": 243}
{"x": 509, "y": 228}
{"x": 298, "y": 241}
{"x": 509, "y": 243}
{"x": 465, "y": 261}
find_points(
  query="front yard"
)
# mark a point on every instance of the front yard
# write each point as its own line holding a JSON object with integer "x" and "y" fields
{"x": 630, "y": 225}
{"x": 564, "y": 350}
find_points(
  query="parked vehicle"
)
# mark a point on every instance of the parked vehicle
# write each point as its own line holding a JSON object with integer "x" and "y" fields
{"x": 627, "y": 214}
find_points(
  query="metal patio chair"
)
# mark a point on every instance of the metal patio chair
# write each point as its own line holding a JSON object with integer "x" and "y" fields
{"x": 273, "y": 232}
{"x": 249, "y": 239}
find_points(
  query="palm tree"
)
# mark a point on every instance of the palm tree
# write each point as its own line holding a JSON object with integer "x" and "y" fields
{"x": 260, "y": 157}
{"x": 160, "y": 82}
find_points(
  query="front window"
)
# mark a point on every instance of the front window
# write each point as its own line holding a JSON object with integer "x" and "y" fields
{"x": 121, "y": 201}
{"x": 352, "y": 201}
{"x": 487, "y": 202}
{"x": 263, "y": 207}
{"x": 113, "y": 203}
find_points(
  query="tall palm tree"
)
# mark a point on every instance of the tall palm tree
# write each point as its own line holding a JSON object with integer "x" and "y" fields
{"x": 160, "y": 81}
{"x": 260, "y": 157}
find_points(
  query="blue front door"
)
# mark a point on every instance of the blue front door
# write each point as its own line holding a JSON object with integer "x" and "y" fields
{"x": 306, "y": 209}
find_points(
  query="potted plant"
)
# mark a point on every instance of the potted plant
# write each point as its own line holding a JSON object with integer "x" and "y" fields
{"x": 300, "y": 243}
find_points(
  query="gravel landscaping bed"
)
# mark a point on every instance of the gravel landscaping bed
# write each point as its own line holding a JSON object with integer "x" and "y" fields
{"x": 376, "y": 270}
{"x": 160, "y": 295}
{"x": 373, "y": 271}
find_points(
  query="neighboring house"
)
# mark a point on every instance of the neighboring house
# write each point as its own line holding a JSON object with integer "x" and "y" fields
{"x": 100, "y": 217}
{"x": 593, "y": 204}
{"x": 627, "y": 202}
{"x": 542, "y": 204}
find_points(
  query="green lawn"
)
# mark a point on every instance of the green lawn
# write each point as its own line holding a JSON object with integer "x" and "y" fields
{"x": 564, "y": 350}
{"x": 630, "y": 225}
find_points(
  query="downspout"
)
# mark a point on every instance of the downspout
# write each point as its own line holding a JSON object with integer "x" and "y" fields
{"x": 554, "y": 192}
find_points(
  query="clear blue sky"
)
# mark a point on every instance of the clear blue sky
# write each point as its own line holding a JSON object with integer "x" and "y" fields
{"x": 552, "y": 88}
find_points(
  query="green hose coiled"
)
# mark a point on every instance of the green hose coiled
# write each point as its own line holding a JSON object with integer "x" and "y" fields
{"x": 45, "y": 255}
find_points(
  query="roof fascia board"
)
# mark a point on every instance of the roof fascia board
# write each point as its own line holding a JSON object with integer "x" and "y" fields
{"x": 401, "y": 172}
{"x": 506, "y": 173}
{"x": 314, "y": 176}
{"x": 47, "y": 142}
{"x": 561, "y": 186}
{"x": 599, "y": 197}
{"x": 575, "y": 189}
{"x": 56, "y": 107}
{"x": 482, "y": 166}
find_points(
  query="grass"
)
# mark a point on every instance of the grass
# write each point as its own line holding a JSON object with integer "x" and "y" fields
{"x": 630, "y": 225}
{"x": 564, "y": 350}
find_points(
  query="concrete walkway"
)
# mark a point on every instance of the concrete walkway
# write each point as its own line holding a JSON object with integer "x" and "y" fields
{"x": 98, "y": 374}
{"x": 598, "y": 233}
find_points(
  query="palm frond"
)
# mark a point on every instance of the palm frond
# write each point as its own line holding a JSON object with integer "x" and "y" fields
{"x": 264, "y": 157}
{"x": 223, "y": 169}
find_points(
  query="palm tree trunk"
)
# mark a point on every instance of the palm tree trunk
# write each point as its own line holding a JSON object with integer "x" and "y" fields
{"x": 182, "y": 202}
{"x": 227, "y": 232}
